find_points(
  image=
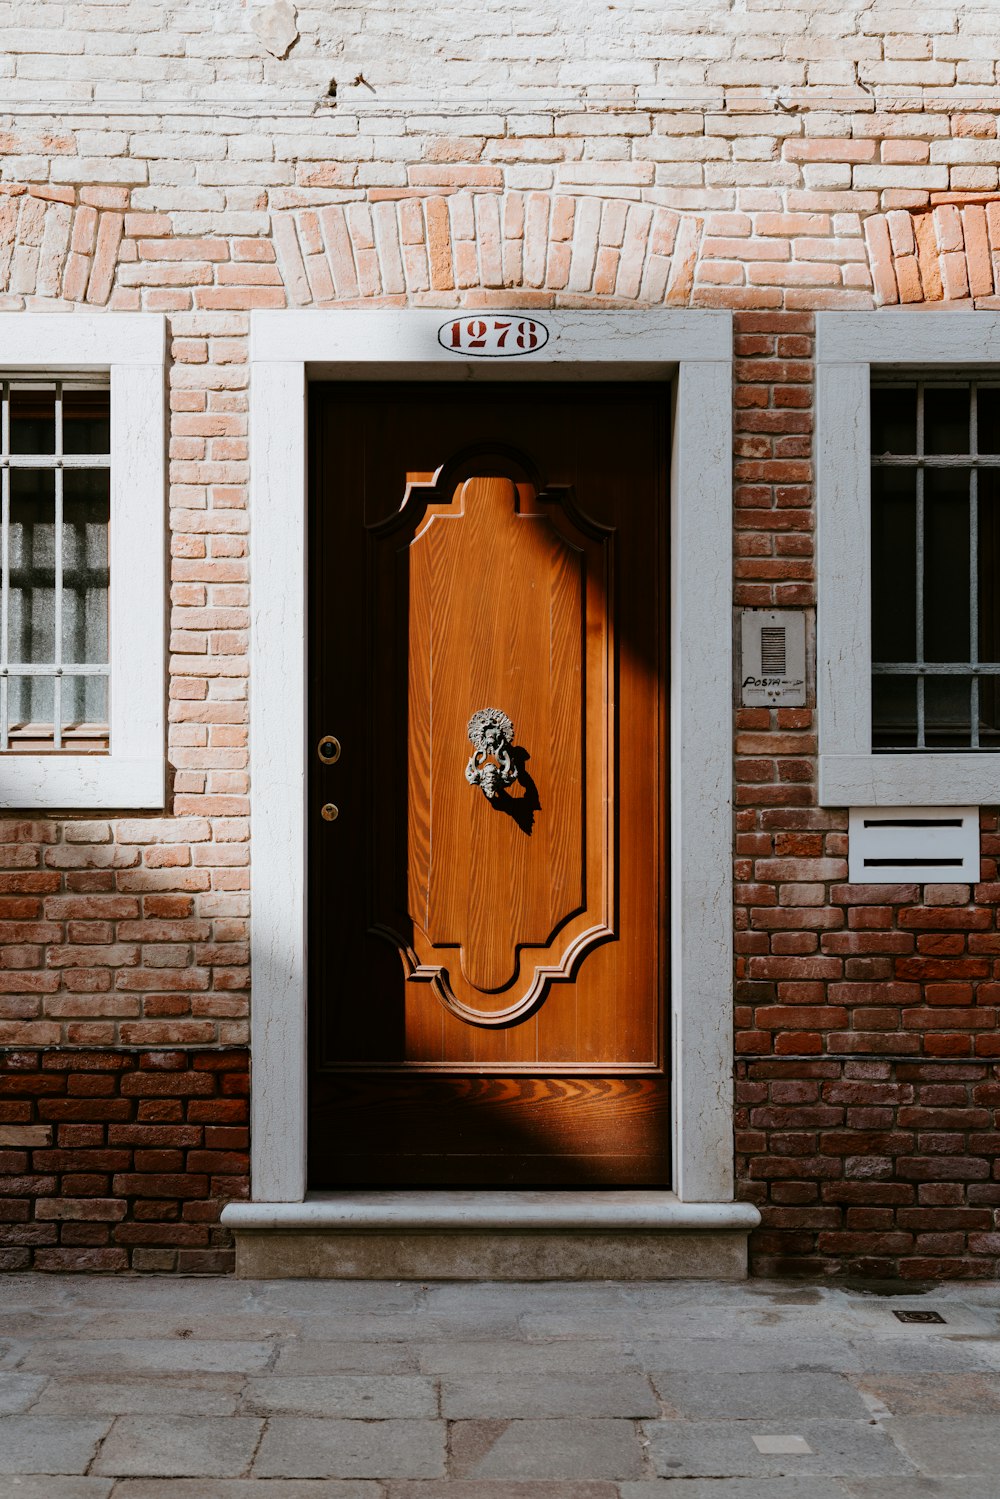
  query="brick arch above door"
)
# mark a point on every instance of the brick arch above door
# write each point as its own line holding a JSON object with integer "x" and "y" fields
{"x": 480, "y": 247}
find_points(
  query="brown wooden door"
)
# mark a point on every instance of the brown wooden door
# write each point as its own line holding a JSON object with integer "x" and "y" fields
{"x": 488, "y": 913}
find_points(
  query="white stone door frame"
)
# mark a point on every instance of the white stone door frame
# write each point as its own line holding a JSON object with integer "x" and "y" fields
{"x": 691, "y": 350}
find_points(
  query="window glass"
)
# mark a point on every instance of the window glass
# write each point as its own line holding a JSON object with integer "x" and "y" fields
{"x": 86, "y": 421}
{"x": 32, "y": 415}
{"x": 894, "y": 559}
{"x": 946, "y": 564}
{"x": 946, "y": 419}
{"x": 894, "y": 419}
{"x": 988, "y": 418}
{"x": 894, "y": 712}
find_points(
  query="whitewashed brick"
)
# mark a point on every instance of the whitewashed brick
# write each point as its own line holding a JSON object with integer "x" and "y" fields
{"x": 930, "y": 179}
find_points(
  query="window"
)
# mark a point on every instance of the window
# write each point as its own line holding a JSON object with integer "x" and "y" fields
{"x": 908, "y": 609}
{"x": 82, "y": 542}
{"x": 935, "y": 564}
{"x": 55, "y": 441}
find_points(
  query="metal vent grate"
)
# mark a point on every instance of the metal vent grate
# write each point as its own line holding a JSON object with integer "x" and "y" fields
{"x": 914, "y": 845}
{"x": 772, "y": 650}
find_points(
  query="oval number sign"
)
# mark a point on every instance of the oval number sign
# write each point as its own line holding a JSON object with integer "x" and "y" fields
{"x": 493, "y": 337}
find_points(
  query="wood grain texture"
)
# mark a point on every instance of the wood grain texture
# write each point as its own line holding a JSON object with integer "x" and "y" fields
{"x": 471, "y": 549}
{"x": 392, "y": 1130}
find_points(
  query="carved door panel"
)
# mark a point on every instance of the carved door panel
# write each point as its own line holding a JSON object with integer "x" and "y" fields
{"x": 487, "y": 937}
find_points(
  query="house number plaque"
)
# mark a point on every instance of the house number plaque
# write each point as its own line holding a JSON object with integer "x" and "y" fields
{"x": 493, "y": 337}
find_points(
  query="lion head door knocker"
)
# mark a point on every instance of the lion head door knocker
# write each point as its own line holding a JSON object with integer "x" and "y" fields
{"x": 491, "y": 765}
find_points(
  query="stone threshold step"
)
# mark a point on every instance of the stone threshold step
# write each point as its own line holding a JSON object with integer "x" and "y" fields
{"x": 461, "y": 1235}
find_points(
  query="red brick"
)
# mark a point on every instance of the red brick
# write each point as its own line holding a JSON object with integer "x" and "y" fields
{"x": 179, "y": 1185}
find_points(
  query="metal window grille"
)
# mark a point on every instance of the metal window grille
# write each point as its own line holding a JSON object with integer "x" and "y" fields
{"x": 54, "y": 576}
{"x": 936, "y": 564}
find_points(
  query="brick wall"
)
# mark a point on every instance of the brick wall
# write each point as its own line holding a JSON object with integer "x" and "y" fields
{"x": 129, "y": 51}
{"x": 876, "y": 1168}
{"x": 868, "y": 1123}
{"x": 772, "y": 160}
{"x": 118, "y": 1160}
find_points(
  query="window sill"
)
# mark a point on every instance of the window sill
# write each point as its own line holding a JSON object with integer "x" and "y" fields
{"x": 49, "y": 782}
{"x": 911, "y": 780}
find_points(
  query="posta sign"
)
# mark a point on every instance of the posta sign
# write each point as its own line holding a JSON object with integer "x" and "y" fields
{"x": 493, "y": 337}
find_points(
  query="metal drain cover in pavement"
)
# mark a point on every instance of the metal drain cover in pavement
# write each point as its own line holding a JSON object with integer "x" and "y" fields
{"x": 919, "y": 1316}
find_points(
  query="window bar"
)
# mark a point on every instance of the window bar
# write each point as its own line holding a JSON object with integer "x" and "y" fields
{"x": 921, "y": 722}
{"x": 58, "y": 601}
{"x": 4, "y": 565}
{"x": 929, "y": 668}
{"x": 974, "y": 565}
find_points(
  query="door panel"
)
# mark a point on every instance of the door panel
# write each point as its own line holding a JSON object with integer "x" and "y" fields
{"x": 444, "y": 1129}
{"x": 488, "y": 613}
{"x": 498, "y": 598}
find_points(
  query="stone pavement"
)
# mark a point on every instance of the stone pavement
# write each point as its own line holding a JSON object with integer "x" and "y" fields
{"x": 219, "y": 1389}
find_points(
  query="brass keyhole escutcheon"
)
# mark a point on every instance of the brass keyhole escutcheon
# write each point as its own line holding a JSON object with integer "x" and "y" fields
{"x": 328, "y": 749}
{"x": 329, "y": 812}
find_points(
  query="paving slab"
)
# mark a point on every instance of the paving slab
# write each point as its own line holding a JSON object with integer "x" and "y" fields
{"x": 703, "y": 1293}
{"x": 218, "y": 1327}
{"x": 808, "y": 1355}
{"x": 455, "y": 1299}
{"x": 927, "y": 1355}
{"x": 19, "y": 1391}
{"x": 25, "y": 1487}
{"x": 308, "y": 1448}
{"x": 329, "y": 1296}
{"x": 921, "y": 1488}
{"x": 572, "y": 1448}
{"x": 933, "y": 1394}
{"x": 179, "y": 1446}
{"x": 768, "y": 1396}
{"x": 48, "y": 1322}
{"x": 987, "y": 1350}
{"x": 168, "y": 1395}
{"x": 296, "y": 1356}
{"x": 48, "y": 1444}
{"x": 366, "y": 1327}
{"x": 547, "y": 1395}
{"x": 365, "y": 1396}
{"x": 494, "y": 1355}
{"x": 946, "y": 1447}
{"x": 736, "y": 1488}
{"x": 645, "y": 1322}
{"x": 486, "y": 1488}
{"x": 142, "y": 1356}
{"x": 724, "y": 1449}
{"x": 246, "y": 1488}
{"x": 200, "y": 1296}
{"x": 876, "y": 1317}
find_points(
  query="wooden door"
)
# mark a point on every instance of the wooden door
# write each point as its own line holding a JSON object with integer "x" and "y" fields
{"x": 487, "y": 938}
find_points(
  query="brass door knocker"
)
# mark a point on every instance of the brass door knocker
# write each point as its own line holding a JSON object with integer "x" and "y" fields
{"x": 490, "y": 765}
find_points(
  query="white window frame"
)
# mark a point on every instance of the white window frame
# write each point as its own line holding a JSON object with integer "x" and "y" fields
{"x": 130, "y": 349}
{"x": 849, "y": 345}
{"x": 691, "y": 349}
